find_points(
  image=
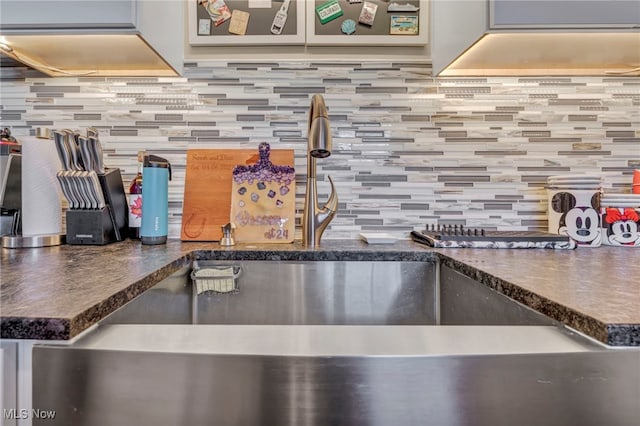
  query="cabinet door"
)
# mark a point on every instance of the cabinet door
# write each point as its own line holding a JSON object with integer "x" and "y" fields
{"x": 564, "y": 13}
{"x": 20, "y": 14}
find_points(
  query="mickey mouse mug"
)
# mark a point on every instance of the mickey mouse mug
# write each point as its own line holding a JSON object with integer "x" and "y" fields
{"x": 575, "y": 213}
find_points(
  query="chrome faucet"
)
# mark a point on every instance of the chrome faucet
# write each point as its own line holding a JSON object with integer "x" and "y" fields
{"x": 315, "y": 219}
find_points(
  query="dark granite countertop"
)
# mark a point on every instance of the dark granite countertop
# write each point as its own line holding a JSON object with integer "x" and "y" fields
{"x": 57, "y": 292}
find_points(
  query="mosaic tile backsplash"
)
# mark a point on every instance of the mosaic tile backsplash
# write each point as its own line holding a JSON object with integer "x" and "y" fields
{"x": 408, "y": 149}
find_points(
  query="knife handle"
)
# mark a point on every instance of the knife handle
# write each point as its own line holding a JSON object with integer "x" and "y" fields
{"x": 85, "y": 153}
{"x": 97, "y": 154}
{"x": 61, "y": 147}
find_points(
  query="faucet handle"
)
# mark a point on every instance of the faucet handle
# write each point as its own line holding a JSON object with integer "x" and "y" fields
{"x": 332, "y": 202}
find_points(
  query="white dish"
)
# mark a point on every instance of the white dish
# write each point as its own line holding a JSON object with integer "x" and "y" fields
{"x": 575, "y": 186}
{"x": 611, "y": 195}
{"x": 575, "y": 182}
{"x": 566, "y": 182}
{"x": 377, "y": 238}
{"x": 623, "y": 205}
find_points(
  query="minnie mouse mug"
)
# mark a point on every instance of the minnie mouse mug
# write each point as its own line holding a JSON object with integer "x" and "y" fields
{"x": 620, "y": 226}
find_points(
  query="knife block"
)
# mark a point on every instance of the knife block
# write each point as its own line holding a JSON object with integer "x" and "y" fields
{"x": 101, "y": 226}
{"x": 90, "y": 227}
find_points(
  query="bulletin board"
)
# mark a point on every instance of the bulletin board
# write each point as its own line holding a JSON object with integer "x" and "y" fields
{"x": 258, "y": 29}
{"x": 380, "y": 31}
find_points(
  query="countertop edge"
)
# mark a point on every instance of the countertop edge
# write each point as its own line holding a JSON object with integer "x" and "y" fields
{"x": 609, "y": 334}
{"x": 67, "y": 328}
{"x": 62, "y": 329}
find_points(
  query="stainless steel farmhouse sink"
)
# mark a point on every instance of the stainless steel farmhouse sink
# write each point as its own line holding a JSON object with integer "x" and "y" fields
{"x": 332, "y": 343}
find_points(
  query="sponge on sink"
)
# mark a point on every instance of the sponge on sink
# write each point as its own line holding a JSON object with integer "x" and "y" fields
{"x": 219, "y": 280}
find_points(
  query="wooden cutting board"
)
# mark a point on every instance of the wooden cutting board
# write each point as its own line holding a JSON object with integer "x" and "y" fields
{"x": 207, "y": 191}
{"x": 263, "y": 198}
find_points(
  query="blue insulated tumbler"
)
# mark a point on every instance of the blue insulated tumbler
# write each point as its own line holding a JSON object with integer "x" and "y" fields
{"x": 156, "y": 174}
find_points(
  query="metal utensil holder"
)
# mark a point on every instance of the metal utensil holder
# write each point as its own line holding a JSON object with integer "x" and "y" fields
{"x": 212, "y": 279}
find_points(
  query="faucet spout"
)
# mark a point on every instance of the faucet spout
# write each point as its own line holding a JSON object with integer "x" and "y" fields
{"x": 316, "y": 219}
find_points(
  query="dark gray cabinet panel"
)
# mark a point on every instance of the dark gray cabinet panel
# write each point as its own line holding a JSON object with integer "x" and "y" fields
{"x": 564, "y": 13}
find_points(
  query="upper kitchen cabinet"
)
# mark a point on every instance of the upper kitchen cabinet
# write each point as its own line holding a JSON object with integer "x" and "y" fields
{"x": 531, "y": 38}
{"x": 564, "y": 13}
{"x": 95, "y": 38}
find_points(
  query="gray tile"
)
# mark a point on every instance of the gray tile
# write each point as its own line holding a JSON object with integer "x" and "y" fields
{"x": 463, "y": 178}
{"x": 499, "y": 152}
{"x": 510, "y": 108}
{"x": 626, "y": 140}
{"x": 586, "y": 117}
{"x": 363, "y": 212}
{"x": 577, "y": 102}
{"x": 536, "y": 133}
{"x": 555, "y": 140}
{"x": 452, "y": 134}
{"x": 414, "y": 206}
{"x": 58, "y": 107}
{"x": 228, "y": 101}
{"x": 498, "y": 117}
{"x": 509, "y": 197}
{"x": 380, "y": 178}
{"x": 584, "y": 152}
{"x": 199, "y": 133}
{"x": 384, "y": 197}
{"x": 252, "y": 65}
{"x": 418, "y": 169}
{"x": 169, "y": 117}
{"x": 158, "y": 124}
{"x": 408, "y": 117}
{"x": 464, "y": 90}
{"x": 417, "y": 153}
{"x": 201, "y": 123}
{"x": 368, "y": 221}
{"x": 92, "y": 117}
{"x": 10, "y": 117}
{"x": 287, "y": 133}
{"x": 54, "y": 89}
{"x": 545, "y": 80}
{"x": 123, "y": 132}
{"x": 620, "y": 134}
{"x": 38, "y": 123}
{"x": 376, "y": 184}
{"x": 533, "y": 124}
{"x": 497, "y": 206}
{"x": 299, "y": 89}
{"x": 474, "y": 140}
{"x": 543, "y": 169}
{"x": 250, "y": 117}
{"x": 379, "y": 89}
{"x": 616, "y": 124}
{"x": 384, "y": 108}
{"x": 460, "y": 168}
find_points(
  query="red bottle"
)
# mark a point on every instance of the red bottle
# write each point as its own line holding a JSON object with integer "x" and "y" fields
{"x": 135, "y": 201}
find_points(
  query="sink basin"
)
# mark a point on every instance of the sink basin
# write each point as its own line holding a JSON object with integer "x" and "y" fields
{"x": 326, "y": 293}
{"x": 340, "y": 342}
